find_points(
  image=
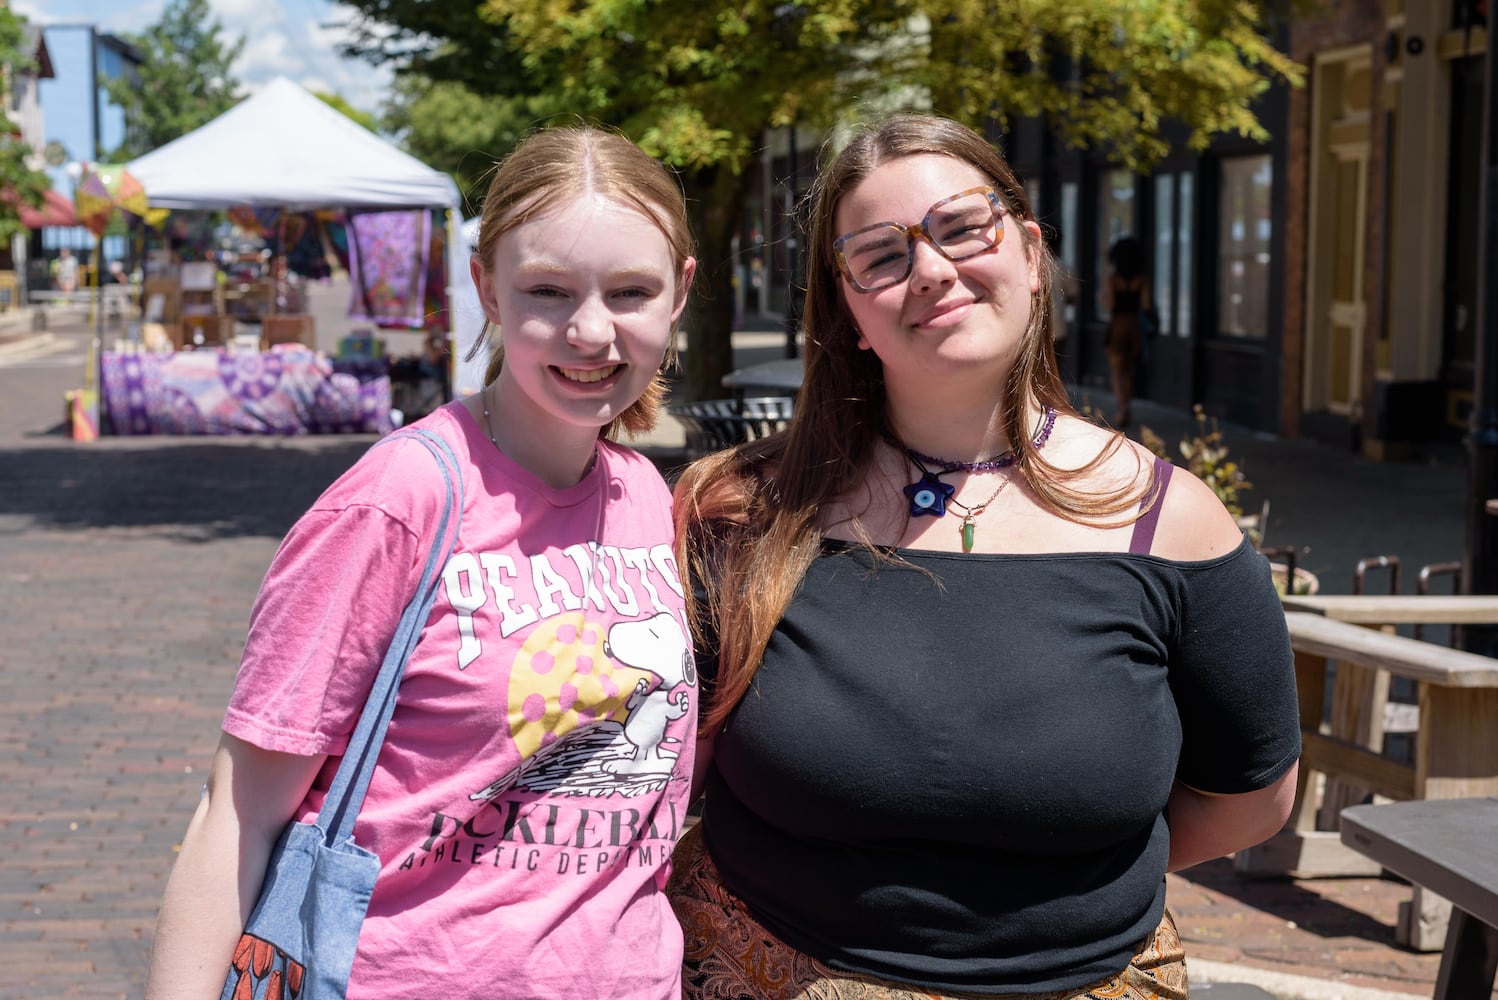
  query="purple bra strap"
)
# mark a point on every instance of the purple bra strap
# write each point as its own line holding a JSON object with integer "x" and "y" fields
{"x": 1144, "y": 528}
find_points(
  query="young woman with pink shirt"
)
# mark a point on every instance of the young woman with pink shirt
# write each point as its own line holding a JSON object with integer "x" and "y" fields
{"x": 535, "y": 773}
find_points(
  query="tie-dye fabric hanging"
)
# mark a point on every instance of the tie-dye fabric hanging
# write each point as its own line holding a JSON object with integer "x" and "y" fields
{"x": 388, "y": 255}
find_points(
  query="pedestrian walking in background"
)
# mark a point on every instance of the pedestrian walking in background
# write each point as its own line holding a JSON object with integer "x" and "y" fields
{"x": 65, "y": 271}
{"x": 979, "y": 672}
{"x": 287, "y": 287}
{"x": 538, "y": 762}
{"x": 1126, "y": 297}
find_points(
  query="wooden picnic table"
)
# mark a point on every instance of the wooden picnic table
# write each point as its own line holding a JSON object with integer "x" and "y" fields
{"x": 1447, "y": 847}
{"x": 1455, "y": 744}
{"x": 1421, "y": 609}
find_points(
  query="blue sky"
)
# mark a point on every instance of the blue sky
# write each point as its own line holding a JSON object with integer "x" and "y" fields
{"x": 292, "y": 38}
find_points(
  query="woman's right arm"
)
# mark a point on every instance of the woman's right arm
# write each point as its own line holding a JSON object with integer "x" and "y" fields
{"x": 250, "y": 797}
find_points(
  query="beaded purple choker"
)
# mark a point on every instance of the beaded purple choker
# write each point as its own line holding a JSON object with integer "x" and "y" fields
{"x": 1047, "y": 424}
{"x": 929, "y": 495}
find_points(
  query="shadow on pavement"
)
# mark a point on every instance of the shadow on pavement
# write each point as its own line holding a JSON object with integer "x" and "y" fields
{"x": 201, "y": 490}
{"x": 1291, "y": 900}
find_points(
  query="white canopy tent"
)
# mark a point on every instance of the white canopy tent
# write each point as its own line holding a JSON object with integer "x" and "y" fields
{"x": 467, "y": 315}
{"x": 284, "y": 147}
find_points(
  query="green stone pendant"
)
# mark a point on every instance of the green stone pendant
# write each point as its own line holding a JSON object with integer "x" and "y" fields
{"x": 967, "y": 534}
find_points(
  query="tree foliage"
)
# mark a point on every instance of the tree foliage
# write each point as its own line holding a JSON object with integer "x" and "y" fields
{"x": 184, "y": 79}
{"x": 343, "y": 107}
{"x": 449, "y": 127}
{"x": 699, "y": 82}
{"x": 18, "y": 181}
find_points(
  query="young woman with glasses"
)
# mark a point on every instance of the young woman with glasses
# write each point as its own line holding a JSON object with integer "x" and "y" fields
{"x": 975, "y": 678}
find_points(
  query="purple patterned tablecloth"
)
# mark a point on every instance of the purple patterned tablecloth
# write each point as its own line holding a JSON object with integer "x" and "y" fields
{"x": 289, "y": 389}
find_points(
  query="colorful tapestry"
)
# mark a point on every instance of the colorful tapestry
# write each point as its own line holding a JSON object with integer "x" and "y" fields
{"x": 289, "y": 390}
{"x": 388, "y": 254}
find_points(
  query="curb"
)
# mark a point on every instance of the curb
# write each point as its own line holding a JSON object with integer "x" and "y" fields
{"x": 1287, "y": 986}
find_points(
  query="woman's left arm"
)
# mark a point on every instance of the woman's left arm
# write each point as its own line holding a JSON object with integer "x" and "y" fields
{"x": 1204, "y": 826}
{"x": 1235, "y": 689}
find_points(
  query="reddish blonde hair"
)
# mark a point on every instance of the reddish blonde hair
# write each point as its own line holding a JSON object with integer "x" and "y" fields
{"x": 564, "y": 162}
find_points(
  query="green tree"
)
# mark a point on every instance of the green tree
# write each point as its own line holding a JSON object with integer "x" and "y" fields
{"x": 343, "y": 107}
{"x": 184, "y": 80}
{"x": 449, "y": 127}
{"x": 698, "y": 83}
{"x": 18, "y": 181}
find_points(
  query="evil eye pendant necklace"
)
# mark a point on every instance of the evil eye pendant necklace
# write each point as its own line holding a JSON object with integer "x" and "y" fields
{"x": 929, "y": 496}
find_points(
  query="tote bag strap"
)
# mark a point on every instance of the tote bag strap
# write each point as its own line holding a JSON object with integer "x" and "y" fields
{"x": 351, "y": 782}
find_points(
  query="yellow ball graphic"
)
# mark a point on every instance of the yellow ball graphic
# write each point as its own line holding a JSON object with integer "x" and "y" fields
{"x": 561, "y": 679}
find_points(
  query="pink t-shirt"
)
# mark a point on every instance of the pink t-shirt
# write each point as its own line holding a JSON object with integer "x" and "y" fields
{"x": 535, "y": 775}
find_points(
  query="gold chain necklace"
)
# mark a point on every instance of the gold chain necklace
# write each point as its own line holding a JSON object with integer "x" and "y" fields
{"x": 970, "y": 513}
{"x": 488, "y": 424}
{"x": 489, "y": 428}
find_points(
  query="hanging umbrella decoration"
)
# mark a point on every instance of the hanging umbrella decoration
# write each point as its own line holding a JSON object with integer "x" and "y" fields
{"x": 103, "y": 190}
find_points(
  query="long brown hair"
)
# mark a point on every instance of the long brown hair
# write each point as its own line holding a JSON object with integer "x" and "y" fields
{"x": 563, "y": 162}
{"x": 747, "y": 519}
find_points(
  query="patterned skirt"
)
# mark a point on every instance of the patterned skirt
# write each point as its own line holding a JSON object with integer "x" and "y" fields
{"x": 730, "y": 956}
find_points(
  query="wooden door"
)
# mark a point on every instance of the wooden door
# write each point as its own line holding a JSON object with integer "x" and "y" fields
{"x": 1336, "y": 305}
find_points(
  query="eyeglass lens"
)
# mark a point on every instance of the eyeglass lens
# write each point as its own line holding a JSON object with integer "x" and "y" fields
{"x": 882, "y": 255}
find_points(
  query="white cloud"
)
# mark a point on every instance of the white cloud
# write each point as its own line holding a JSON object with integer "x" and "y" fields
{"x": 115, "y": 17}
{"x": 266, "y": 54}
{"x": 294, "y": 38}
{"x": 248, "y": 13}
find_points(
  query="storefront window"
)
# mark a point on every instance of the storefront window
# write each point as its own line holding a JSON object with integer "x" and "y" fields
{"x": 1115, "y": 215}
{"x": 1165, "y": 235}
{"x": 1184, "y": 254}
{"x": 1070, "y": 237}
{"x": 1468, "y": 14}
{"x": 1243, "y": 248}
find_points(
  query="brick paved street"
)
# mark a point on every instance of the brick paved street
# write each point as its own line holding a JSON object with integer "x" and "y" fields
{"x": 126, "y": 574}
{"x": 127, "y": 569}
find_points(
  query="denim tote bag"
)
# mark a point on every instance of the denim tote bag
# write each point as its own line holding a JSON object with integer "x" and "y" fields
{"x": 300, "y": 939}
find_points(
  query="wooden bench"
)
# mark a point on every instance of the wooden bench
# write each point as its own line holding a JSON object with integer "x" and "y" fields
{"x": 1448, "y": 847}
{"x": 1455, "y": 751}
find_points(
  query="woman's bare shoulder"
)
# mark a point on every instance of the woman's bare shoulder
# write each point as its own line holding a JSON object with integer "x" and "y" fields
{"x": 1194, "y": 524}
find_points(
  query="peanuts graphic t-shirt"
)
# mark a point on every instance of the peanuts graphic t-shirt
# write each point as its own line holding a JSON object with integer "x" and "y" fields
{"x": 535, "y": 774}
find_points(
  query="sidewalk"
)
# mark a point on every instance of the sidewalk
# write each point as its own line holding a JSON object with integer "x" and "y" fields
{"x": 127, "y": 569}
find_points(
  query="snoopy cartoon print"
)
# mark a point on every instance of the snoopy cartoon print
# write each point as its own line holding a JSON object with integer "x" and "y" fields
{"x": 606, "y": 756}
{"x": 656, "y": 645}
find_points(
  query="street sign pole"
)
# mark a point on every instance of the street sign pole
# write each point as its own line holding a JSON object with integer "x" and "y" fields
{"x": 1480, "y": 572}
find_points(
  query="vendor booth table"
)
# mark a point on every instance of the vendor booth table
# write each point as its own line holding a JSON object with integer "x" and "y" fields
{"x": 293, "y": 153}
{"x": 288, "y": 390}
